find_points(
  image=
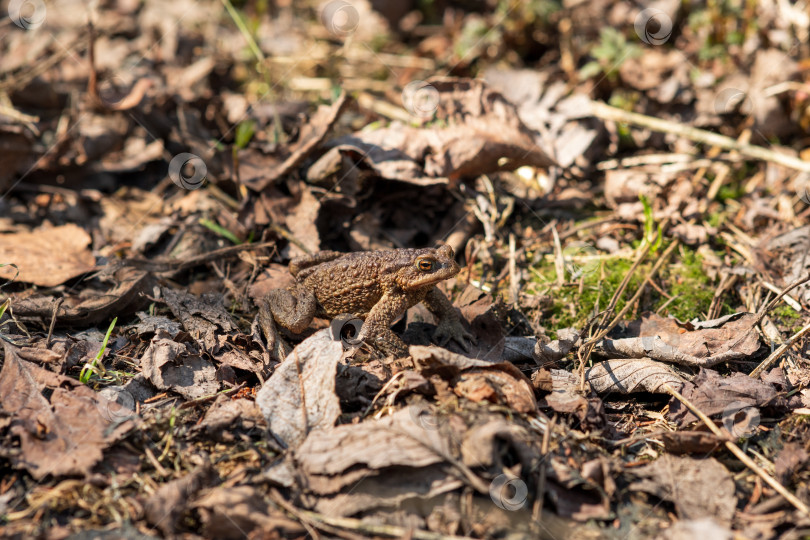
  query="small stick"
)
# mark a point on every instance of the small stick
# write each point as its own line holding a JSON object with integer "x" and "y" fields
{"x": 606, "y": 112}
{"x": 789, "y": 300}
{"x": 56, "y": 307}
{"x": 287, "y": 235}
{"x": 742, "y": 456}
{"x": 537, "y": 509}
{"x": 305, "y": 520}
{"x": 774, "y": 356}
{"x": 769, "y": 306}
{"x": 168, "y": 265}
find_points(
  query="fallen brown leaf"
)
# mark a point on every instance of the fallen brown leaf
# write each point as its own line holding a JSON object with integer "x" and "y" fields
{"x": 47, "y": 256}
{"x": 629, "y": 376}
{"x": 697, "y": 487}
{"x": 300, "y": 395}
{"x": 170, "y": 365}
{"x": 63, "y": 435}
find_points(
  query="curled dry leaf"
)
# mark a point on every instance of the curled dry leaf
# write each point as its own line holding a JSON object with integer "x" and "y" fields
{"x": 548, "y": 108}
{"x": 548, "y": 353}
{"x": 784, "y": 258}
{"x": 480, "y": 132}
{"x": 718, "y": 395}
{"x": 205, "y": 318}
{"x": 708, "y": 343}
{"x": 483, "y": 445}
{"x": 300, "y": 395}
{"x": 565, "y": 397}
{"x": 227, "y": 415}
{"x": 235, "y": 512}
{"x": 496, "y": 386}
{"x": 92, "y": 307}
{"x": 691, "y": 442}
{"x": 312, "y": 134}
{"x": 583, "y": 492}
{"x": 790, "y": 460}
{"x": 478, "y": 380}
{"x": 165, "y": 508}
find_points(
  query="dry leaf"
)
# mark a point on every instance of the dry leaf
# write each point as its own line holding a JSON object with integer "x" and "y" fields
{"x": 630, "y": 376}
{"x": 47, "y": 256}
{"x": 63, "y": 436}
{"x": 692, "y": 344}
{"x": 169, "y": 365}
{"x": 312, "y": 134}
{"x": 300, "y": 395}
{"x": 697, "y": 487}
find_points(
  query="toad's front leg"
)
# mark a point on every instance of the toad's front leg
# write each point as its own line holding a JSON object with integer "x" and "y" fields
{"x": 450, "y": 326}
{"x": 376, "y": 329}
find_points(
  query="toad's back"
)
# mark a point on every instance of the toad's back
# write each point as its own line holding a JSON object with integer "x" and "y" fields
{"x": 354, "y": 282}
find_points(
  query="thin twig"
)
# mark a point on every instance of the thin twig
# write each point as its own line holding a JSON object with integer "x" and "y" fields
{"x": 789, "y": 300}
{"x": 170, "y": 265}
{"x": 606, "y": 112}
{"x": 296, "y": 513}
{"x": 56, "y": 307}
{"x": 772, "y": 303}
{"x": 537, "y": 508}
{"x": 287, "y": 235}
{"x": 559, "y": 262}
{"x": 591, "y": 343}
{"x": 775, "y": 355}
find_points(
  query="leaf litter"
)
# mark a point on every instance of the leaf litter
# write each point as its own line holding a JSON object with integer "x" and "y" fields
{"x": 636, "y": 282}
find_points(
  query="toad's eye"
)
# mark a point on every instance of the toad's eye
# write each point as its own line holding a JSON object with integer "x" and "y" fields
{"x": 425, "y": 265}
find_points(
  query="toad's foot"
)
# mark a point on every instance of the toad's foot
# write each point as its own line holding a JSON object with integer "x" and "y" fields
{"x": 385, "y": 341}
{"x": 275, "y": 344}
{"x": 452, "y": 328}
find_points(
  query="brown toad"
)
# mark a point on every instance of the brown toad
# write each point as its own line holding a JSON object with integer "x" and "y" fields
{"x": 376, "y": 286}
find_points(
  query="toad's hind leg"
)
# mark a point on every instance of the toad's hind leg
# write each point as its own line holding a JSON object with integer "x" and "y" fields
{"x": 293, "y": 309}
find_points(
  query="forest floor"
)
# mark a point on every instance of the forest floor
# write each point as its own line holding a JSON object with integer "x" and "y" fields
{"x": 626, "y": 190}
